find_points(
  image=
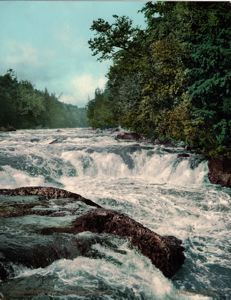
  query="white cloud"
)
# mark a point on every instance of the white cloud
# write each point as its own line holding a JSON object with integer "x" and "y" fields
{"x": 19, "y": 54}
{"x": 22, "y": 57}
{"x": 81, "y": 88}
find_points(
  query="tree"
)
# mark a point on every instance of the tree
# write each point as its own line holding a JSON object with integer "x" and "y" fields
{"x": 8, "y": 94}
{"x": 99, "y": 111}
{"x": 171, "y": 79}
{"x": 23, "y": 106}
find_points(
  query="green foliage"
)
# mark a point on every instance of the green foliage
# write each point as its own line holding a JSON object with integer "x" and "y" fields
{"x": 173, "y": 78}
{"x": 8, "y": 92}
{"x": 99, "y": 111}
{"x": 111, "y": 38}
{"x": 22, "y": 106}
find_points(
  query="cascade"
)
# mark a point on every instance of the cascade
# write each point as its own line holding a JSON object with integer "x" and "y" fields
{"x": 156, "y": 186}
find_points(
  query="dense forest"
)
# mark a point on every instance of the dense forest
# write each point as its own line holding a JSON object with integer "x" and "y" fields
{"x": 171, "y": 79}
{"x": 23, "y": 107}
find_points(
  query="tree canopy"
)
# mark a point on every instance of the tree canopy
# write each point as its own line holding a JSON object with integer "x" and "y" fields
{"x": 172, "y": 79}
{"x": 23, "y": 106}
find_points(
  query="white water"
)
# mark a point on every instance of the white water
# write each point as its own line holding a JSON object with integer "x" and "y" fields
{"x": 148, "y": 183}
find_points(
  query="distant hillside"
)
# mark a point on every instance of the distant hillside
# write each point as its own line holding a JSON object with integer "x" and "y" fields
{"x": 24, "y": 107}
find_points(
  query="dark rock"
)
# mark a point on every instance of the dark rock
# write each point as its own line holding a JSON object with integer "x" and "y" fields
{"x": 165, "y": 142}
{"x": 188, "y": 148}
{"x": 36, "y": 250}
{"x": 128, "y": 136}
{"x": 183, "y": 155}
{"x": 15, "y": 210}
{"x": 220, "y": 171}
{"x": 166, "y": 253}
{"x": 47, "y": 193}
{"x": 33, "y": 140}
{"x": 57, "y": 140}
{"x": 3, "y": 272}
{"x": 7, "y": 128}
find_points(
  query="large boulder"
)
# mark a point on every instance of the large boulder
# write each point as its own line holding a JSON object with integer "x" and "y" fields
{"x": 166, "y": 252}
{"x": 220, "y": 171}
{"x": 42, "y": 243}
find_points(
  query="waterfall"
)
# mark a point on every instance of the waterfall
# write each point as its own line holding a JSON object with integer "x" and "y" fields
{"x": 157, "y": 168}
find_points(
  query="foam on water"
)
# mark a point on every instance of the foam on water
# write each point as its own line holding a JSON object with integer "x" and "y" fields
{"x": 153, "y": 186}
{"x": 156, "y": 168}
{"x": 12, "y": 178}
{"x": 125, "y": 275}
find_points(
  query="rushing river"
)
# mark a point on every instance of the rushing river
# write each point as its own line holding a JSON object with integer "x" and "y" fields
{"x": 170, "y": 195}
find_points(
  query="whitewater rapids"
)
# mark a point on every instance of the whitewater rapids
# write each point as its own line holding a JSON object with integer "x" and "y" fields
{"x": 170, "y": 195}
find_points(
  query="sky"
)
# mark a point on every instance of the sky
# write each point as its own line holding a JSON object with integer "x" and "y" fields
{"x": 45, "y": 42}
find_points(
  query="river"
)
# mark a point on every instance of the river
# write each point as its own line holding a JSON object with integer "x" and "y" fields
{"x": 170, "y": 195}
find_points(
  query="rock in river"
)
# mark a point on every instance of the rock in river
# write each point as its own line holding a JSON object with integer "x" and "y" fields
{"x": 166, "y": 253}
{"x": 44, "y": 241}
{"x": 128, "y": 136}
{"x": 220, "y": 171}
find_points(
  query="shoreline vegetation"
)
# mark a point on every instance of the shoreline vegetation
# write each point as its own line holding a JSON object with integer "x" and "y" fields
{"x": 25, "y": 107}
{"x": 171, "y": 80}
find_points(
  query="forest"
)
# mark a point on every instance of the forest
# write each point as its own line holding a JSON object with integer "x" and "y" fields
{"x": 170, "y": 80}
{"x": 25, "y": 107}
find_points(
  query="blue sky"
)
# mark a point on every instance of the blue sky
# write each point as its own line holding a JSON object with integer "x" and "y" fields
{"x": 46, "y": 42}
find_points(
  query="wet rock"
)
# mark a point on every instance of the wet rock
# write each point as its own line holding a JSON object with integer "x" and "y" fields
{"x": 188, "y": 148}
{"x": 220, "y": 171}
{"x": 38, "y": 251}
{"x": 183, "y": 155}
{"x": 128, "y": 136}
{"x": 15, "y": 210}
{"x": 41, "y": 246}
{"x": 35, "y": 140}
{"x": 57, "y": 140}
{"x": 47, "y": 193}
{"x": 165, "y": 142}
{"x": 166, "y": 253}
{"x": 4, "y": 273}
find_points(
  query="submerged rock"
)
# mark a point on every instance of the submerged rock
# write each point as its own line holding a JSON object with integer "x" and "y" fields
{"x": 166, "y": 253}
{"x": 183, "y": 155}
{"x": 220, "y": 171}
{"x": 38, "y": 251}
{"x": 57, "y": 140}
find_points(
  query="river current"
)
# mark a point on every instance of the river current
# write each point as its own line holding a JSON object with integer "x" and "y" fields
{"x": 169, "y": 194}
